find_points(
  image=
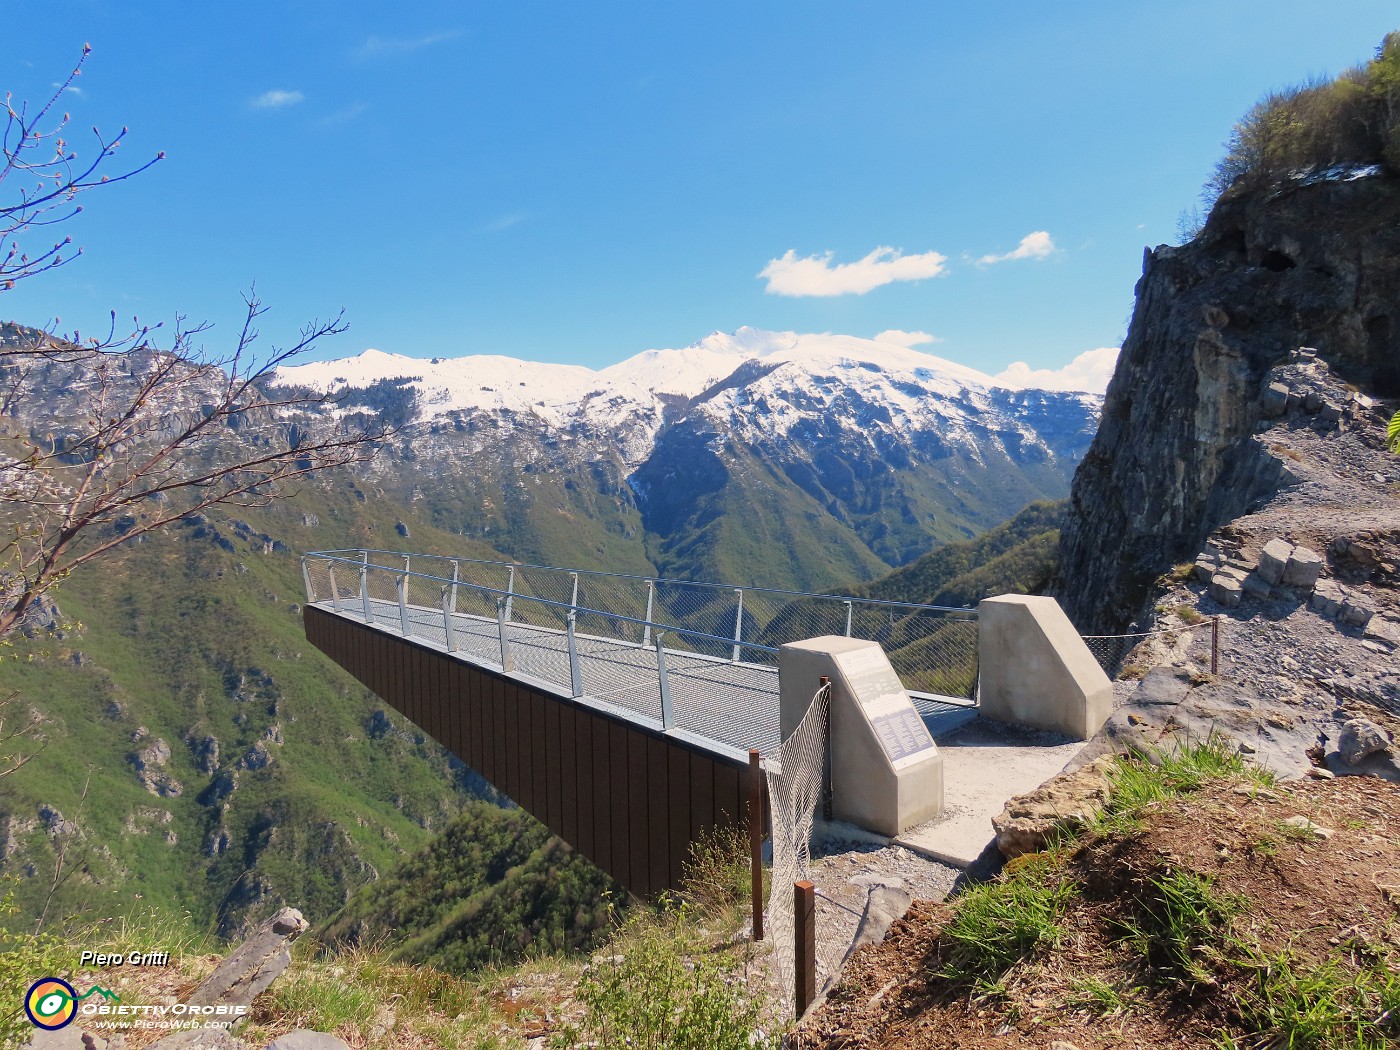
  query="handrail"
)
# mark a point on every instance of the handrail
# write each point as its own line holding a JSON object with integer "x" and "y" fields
{"x": 972, "y": 613}
{"x": 933, "y": 647}
{"x": 667, "y": 627}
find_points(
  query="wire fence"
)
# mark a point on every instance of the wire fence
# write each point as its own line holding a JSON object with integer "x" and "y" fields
{"x": 932, "y": 648}
{"x": 1125, "y": 654}
{"x": 796, "y": 784}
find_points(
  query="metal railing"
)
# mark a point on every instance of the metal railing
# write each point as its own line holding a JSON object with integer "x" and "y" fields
{"x": 657, "y": 673}
{"x": 933, "y": 648}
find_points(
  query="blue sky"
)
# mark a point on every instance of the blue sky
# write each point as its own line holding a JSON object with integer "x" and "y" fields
{"x": 579, "y": 182}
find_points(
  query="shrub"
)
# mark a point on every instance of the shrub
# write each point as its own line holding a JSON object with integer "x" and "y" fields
{"x": 658, "y": 989}
{"x": 1353, "y": 119}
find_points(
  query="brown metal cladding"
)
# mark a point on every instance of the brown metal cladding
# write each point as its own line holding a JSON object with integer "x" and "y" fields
{"x": 639, "y": 855}
{"x": 619, "y": 772}
{"x": 629, "y": 798}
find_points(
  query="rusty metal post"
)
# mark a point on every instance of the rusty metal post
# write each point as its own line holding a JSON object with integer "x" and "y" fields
{"x": 804, "y": 936}
{"x": 756, "y": 839}
{"x": 1215, "y": 644}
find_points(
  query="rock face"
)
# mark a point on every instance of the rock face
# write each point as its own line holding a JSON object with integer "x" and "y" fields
{"x": 1314, "y": 265}
{"x": 258, "y": 962}
{"x": 1065, "y": 803}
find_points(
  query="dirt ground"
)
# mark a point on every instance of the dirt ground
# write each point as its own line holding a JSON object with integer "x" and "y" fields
{"x": 1317, "y": 897}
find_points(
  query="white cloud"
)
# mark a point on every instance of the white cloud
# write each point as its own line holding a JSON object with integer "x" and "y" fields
{"x": 814, "y": 274}
{"x": 276, "y": 99}
{"x": 1037, "y": 245}
{"x": 379, "y": 46}
{"x": 1089, "y": 371}
{"x": 505, "y": 222}
{"x": 902, "y": 338}
{"x": 343, "y": 115}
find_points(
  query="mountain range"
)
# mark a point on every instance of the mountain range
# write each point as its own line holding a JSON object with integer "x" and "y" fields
{"x": 754, "y": 457}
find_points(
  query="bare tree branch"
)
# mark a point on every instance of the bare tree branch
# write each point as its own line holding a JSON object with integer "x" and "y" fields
{"x": 52, "y": 180}
{"x": 142, "y": 437}
{"x": 109, "y": 437}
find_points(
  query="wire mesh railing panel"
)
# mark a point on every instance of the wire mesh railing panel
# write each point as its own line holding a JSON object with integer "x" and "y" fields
{"x": 624, "y": 595}
{"x": 381, "y": 585}
{"x": 699, "y": 610}
{"x": 795, "y": 783}
{"x": 552, "y": 586}
{"x": 707, "y": 627}
{"x": 539, "y": 652}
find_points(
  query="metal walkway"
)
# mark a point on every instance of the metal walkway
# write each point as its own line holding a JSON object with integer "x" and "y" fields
{"x": 717, "y": 692}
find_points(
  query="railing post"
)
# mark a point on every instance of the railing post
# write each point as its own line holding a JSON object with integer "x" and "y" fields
{"x": 756, "y": 839}
{"x": 454, "y": 586}
{"x": 364, "y": 590}
{"x": 506, "y": 664}
{"x": 1215, "y": 644}
{"x": 447, "y": 616}
{"x": 404, "y": 628}
{"x": 804, "y": 937}
{"x": 575, "y": 675}
{"x": 510, "y": 593}
{"x": 849, "y": 610}
{"x": 668, "y": 718}
{"x": 335, "y": 589}
{"x": 738, "y": 625}
{"x": 573, "y": 596}
{"x": 306, "y": 579}
{"x": 651, "y": 597}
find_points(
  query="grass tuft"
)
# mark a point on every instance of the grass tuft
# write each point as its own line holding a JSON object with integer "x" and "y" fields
{"x": 997, "y": 924}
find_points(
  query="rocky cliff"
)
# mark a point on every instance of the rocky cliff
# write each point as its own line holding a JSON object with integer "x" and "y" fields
{"x": 1315, "y": 264}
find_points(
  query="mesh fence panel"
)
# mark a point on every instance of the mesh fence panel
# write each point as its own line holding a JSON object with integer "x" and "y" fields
{"x": 1119, "y": 653}
{"x": 794, "y": 789}
{"x": 616, "y": 669}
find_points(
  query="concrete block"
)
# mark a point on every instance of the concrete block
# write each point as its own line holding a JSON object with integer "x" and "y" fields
{"x": 1273, "y": 558}
{"x": 886, "y": 772}
{"x": 1036, "y": 670}
{"x": 1227, "y": 591}
{"x": 1275, "y": 400}
{"x": 1303, "y": 568}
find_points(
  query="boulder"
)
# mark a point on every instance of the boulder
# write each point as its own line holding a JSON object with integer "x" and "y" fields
{"x": 254, "y": 965}
{"x": 1226, "y": 590}
{"x": 201, "y": 1039}
{"x": 305, "y": 1039}
{"x": 1355, "y": 613}
{"x": 1273, "y": 559}
{"x": 1275, "y": 400}
{"x": 74, "y": 1037}
{"x": 1065, "y": 803}
{"x": 1360, "y": 737}
{"x": 1303, "y": 568}
{"x": 1329, "y": 414}
{"x": 1256, "y": 586}
{"x": 1327, "y": 599}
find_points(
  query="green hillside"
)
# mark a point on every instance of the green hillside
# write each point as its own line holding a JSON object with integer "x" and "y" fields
{"x": 202, "y": 757}
{"x": 491, "y": 887}
{"x": 1016, "y": 557}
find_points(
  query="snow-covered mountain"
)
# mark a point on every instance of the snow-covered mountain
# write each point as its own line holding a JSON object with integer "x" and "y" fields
{"x": 847, "y": 454}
